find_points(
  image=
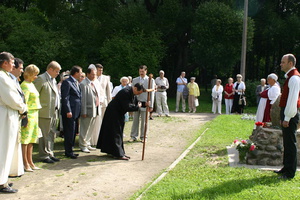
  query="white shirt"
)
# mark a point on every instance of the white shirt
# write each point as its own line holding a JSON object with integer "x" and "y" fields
{"x": 291, "y": 105}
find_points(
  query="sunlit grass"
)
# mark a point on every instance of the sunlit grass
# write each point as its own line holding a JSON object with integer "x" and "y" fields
{"x": 205, "y": 174}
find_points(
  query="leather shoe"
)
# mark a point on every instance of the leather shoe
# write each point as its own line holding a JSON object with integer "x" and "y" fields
{"x": 122, "y": 158}
{"x": 72, "y": 156}
{"x": 284, "y": 177}
{"x": 279, "y": 171}
{"x": 10, "y": 184}
{"x": 48, "y": 160}
{"x": 85, "y": 150}
{"x": 8, "y": 189}
{"x": 55, "y": 159}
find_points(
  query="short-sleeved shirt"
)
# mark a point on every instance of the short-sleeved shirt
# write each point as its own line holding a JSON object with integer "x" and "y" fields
{"x": 180, "y": 87}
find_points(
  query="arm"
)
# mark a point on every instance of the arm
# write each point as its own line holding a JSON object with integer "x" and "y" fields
{"x": 65, "y": 98}
{"x": 291, "y": 106}
{"x": 83, "y": 89}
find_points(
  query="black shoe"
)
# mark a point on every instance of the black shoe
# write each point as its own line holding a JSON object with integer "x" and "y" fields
{"x": 76, "y": 154}
{"x": 284, "y": 177}
{"x": 10, "y": 184}
{"x": 72, "y": 156}
{"x": 8, "y": 190}
{"x": 55, "y": 159}
{"x": 48, "y": 160}
{"x": 279, "y": 171}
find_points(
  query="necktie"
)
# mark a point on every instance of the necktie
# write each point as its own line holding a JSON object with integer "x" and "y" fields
{"x": 97, "y": 98}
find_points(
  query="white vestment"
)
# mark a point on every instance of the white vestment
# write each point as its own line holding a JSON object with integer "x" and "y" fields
{"x": 11, "y": 104}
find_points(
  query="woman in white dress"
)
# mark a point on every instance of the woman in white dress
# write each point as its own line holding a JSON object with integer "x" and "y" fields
{"x": 217, "y": 97}
{"x": 268, "y": 97}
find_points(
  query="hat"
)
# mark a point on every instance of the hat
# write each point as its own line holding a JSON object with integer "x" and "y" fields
{"x": 273, "y": 76}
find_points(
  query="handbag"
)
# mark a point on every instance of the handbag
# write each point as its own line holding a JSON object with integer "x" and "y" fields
{"x": 242, "y": 100}
{"x": 196, "y": 102}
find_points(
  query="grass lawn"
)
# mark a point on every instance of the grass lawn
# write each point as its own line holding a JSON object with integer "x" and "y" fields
{"x": 205, "y": 174}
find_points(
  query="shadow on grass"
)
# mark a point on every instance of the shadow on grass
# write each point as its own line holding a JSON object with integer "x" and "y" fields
{"x": 227, "y": 188}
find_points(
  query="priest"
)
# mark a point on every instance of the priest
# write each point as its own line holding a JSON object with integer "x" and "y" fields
{"x": 111, "y": 133}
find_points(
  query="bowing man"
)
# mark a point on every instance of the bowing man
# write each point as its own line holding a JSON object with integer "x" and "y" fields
{"x": 70, "y": 109}
{"x": 111, "y": 134}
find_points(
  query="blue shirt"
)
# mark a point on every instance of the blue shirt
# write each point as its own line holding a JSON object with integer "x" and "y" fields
{"x": 180, "y": 87}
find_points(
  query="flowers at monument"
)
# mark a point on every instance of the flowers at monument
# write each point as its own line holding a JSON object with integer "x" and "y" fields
{"x": 260, "y": 124}
{"x": 244, "y": 147}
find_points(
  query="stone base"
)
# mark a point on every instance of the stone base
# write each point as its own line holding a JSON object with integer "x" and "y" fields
{"x": 269, "y": 143}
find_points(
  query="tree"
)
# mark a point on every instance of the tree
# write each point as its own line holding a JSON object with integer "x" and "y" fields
{"x": 217, "y": 37}
{"x": 122, "y": 54}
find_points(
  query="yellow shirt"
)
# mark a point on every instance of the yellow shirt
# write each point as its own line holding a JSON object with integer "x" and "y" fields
{"x": 193, "y": 89}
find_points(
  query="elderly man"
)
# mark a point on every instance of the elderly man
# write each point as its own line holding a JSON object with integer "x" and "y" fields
{"x": 11, "y": 105}
{"x": 181, "y": 83}
{"x": 289, "y": 114}
{"x": 260, "y": 88}
{"x": 162, "y": 85}
{"x": 90, "y": 109}
{"x": 48, "y": 114}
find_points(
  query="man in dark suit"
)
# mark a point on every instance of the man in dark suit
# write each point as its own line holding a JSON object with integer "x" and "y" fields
{"x": 70, "y": 109}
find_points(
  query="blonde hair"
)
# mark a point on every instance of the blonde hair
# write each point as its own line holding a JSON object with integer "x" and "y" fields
{"x": 30, "y": 71}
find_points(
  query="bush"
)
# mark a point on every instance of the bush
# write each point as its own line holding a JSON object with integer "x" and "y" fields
{"x": 250, "y": 92}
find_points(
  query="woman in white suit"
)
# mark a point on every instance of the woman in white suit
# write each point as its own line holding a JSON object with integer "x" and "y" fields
{"x": 217, "y": 97}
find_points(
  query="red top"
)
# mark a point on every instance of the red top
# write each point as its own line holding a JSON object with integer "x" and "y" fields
{"x": 285, "y": 92}
{"x": 229, "y": 90}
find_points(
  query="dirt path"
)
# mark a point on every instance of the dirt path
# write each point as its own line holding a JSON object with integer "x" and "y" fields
{"x": 97, "y": 176}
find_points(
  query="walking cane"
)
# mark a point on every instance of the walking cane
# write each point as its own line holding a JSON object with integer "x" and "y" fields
{"x": 146, "y": 120}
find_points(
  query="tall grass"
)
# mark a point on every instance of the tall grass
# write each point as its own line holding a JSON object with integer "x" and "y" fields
{"x": 205, "y": 174}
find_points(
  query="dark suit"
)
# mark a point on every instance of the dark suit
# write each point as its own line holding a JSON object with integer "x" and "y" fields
{"x": 70, "y": 102}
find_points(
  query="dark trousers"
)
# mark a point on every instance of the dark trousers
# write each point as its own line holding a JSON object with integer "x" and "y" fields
{"x": 69, "y": 134}
{"x": 289, "y": 145}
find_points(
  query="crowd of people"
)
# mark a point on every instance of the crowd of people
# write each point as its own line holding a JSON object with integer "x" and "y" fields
{"x": 85, "y": 103}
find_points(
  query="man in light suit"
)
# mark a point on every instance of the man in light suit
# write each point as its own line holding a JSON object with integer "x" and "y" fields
{"x": 90, "y": 109}
{"x": 48, "y": 114}
{"x": 70, "y": 109}
{"x": 105, "y": 90}
{"x": 143, "y": 79}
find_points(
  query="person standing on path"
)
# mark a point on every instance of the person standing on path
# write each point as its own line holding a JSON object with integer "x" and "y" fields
{"x": 48, "y": 114}
{"x": 181, "y": 84}
{"x": 140, "y": 115}
{"x": 90, "y": 109}
{"x": 289, "y": 115}
{"x": 194, "y": 92}
{"x": 162, "y": 85}
{"x": 11, "y": 106}
{"x": 229, "y": 95}
{"x": 70, "y": 109}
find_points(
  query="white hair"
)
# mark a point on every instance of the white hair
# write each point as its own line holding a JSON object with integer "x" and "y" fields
{"x": 124, "y": 77}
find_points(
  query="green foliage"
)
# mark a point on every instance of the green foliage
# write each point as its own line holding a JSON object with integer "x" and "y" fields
{"x": 250, "y": 92}
{"x": 217, "y": 37}
{"x": 123, "y": 53}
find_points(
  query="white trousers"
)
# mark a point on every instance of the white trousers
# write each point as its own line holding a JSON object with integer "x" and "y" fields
{"x": 216, "y": 104}
{"x": 161, "y": 103}
{"x": 228, "y": 104}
